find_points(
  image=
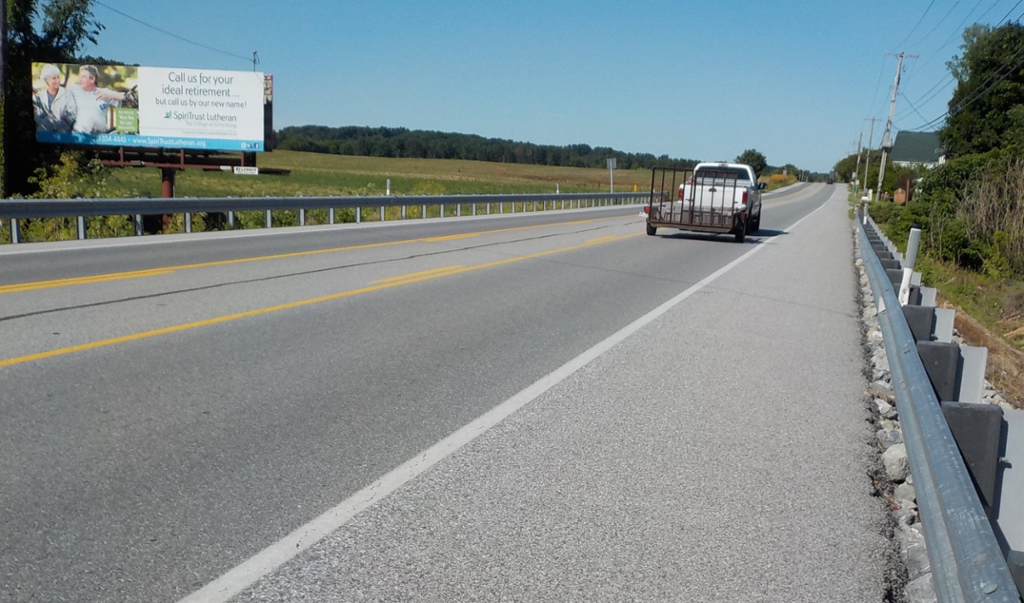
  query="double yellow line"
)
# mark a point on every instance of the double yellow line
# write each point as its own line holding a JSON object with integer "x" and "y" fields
{"x": 116, "y": 276}
{"x": 380, "y": 285}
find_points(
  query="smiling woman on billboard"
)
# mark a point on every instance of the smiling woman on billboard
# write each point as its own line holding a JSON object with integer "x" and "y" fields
{"x": 53, "y": 106}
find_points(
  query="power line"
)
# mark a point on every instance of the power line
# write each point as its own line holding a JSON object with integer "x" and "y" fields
{"x": 949, "y": 79}
{"x": 913, "y": 107}
{"x": 916, "y": 25}
{"x": 978, "y": 92}
{"x": 173, "y": 35}
{"x": 1007, "y": 15}
{"x": 878, "y": 84}
{"x": 959, "y": 29}
{"x": 951, "y": 9}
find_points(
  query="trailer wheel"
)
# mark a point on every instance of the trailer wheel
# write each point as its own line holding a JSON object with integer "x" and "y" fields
{"x": 741, "y": 234}
{"x": 651, "y": 230}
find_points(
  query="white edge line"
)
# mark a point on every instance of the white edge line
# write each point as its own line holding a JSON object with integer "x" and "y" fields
{"x": 274, "y": 556}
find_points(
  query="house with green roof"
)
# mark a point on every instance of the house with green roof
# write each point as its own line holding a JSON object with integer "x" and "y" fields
{"x": 917, "y": 148}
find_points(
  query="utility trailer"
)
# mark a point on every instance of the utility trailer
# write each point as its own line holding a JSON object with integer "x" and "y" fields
{"x": 720, "y": 198}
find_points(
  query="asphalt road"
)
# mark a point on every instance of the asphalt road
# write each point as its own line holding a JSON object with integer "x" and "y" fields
{"x": 173, "y": 406}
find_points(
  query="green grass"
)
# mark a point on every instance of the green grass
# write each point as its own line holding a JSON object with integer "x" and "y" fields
{"x": 316, "y": 174}
{"x": 997, "y": 303}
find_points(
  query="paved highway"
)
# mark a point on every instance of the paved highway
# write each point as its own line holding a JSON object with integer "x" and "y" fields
{"x": 682, "y": 414}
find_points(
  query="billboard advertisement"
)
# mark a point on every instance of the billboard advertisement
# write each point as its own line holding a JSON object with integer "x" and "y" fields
{"x": 157, "y": 107}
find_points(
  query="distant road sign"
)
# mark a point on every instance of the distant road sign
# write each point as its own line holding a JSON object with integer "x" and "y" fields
{"x": 247, "y": 170}
{"x": 611, "y": 163}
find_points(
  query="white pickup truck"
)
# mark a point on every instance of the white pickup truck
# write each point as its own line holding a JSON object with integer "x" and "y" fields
{"x": 722, "y": 198}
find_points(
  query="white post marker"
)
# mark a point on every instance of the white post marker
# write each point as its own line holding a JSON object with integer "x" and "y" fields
{"x": 611, "y": 175}
{"x": 908, "y": 265}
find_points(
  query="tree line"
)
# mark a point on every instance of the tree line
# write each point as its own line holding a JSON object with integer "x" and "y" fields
{"x": 424, "y": 144}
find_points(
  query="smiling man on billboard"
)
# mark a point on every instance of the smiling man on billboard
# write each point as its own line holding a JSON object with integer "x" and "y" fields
{"x": 93, "y": 102}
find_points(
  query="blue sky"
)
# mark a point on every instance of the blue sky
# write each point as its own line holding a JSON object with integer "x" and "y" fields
{"x": 692, "y": 78}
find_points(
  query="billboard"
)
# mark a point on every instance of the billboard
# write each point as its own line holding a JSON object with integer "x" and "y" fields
{"x": 159, "y": 107}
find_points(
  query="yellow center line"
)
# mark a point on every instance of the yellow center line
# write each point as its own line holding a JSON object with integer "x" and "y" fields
{"x": 467, "y": 235}
{"x": 415, "y": 274}
{"x": 297, "y": 304}
{"x": 100, "y": 278}
{"x": 83, "y": 280}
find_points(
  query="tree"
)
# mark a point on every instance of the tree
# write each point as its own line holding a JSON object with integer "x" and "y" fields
{"x": 53, "y": 31}
{"x": 990, "y": 85}
{"x": 754, "y": 159}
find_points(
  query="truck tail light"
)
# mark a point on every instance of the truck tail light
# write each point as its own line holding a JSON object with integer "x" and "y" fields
{"x": 745, "y": 195}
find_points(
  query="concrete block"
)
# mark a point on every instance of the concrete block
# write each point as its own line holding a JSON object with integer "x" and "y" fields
{"x": 1016, "y": 562}
{"x": 944, "y": 318}
{"x": 977, "y": 429}
{"x": 892, "y": 264}
{"x": 921, "y": 319}
{"x": 1009, "y": 518}
{"x": 971, "y": 380}
{"x": 929, "y": 296}
{"x": 895, "y": 276}
{"x": 941, "y": 360}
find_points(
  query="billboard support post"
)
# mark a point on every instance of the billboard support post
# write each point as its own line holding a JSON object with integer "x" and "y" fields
{"x": 167, "y": 182}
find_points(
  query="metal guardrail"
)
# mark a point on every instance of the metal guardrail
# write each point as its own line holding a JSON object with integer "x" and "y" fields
{"x": 967, "y": 563}
{"x": 13, "y": 210}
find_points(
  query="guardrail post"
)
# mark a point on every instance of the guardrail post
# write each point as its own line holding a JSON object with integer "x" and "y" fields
{"x": 909, "y": 261}
{"x": 15, "y": 235}
{"x": 188, "y": 222}
{"x": 330, "y": 216}
{"x": 441, "y": 212}
{"x": 458, "y": 210}
{"x": 488, "y": 208}
{"x": 269, "y": 223}
{"x": 231, "y": 219}
{"x": 474, "y": 209}
{"x": 80, "y": 224}
{"x": 137, "y": 222}
{"x": 302, "y": 217}
{"x": 359, "y": 215}
{"x": 383, "y": 216}
{"x": 403, "y": 212}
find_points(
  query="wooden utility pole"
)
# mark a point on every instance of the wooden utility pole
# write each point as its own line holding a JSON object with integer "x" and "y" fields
{"x": 887, "y": 137}
{"x": 871, "y": 137}
{"x": 856, "y": 172}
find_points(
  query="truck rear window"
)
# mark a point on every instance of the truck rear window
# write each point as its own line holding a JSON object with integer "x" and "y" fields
{"x": 723, "y": 173}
